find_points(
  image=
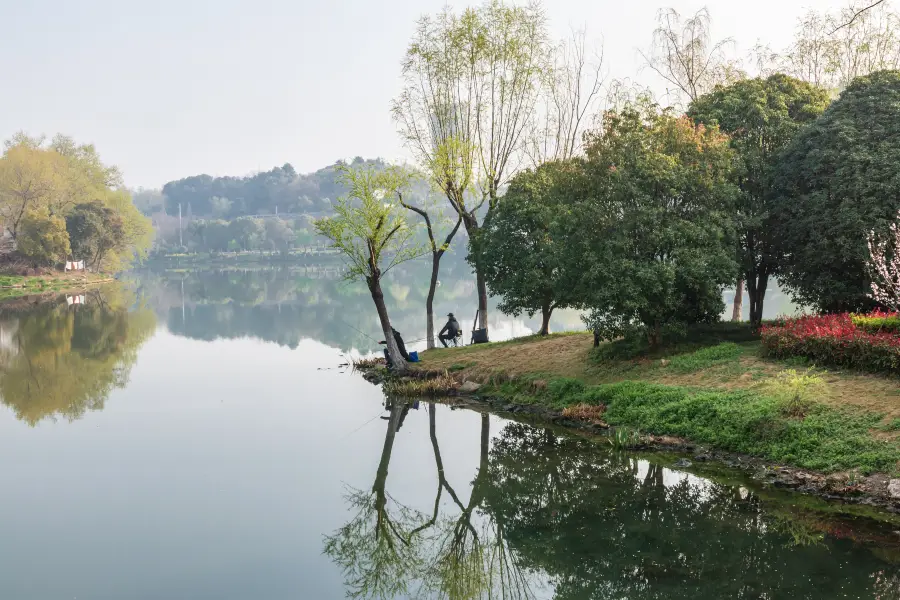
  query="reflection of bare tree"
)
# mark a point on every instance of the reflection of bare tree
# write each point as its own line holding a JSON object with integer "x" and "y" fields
{"x": 388, "y": 550}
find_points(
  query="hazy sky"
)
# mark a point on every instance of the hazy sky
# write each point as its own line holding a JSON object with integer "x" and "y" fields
{"x": 167, "y": 89}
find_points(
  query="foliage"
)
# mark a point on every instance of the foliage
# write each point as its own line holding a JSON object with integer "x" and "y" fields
{"x": 827, "y": 439}
{"x": 877, "y": 322}
{"x": 281, "y": 187}
{"x": 368, "y": 227}
{"x": 884, "y": 266}
{"x": 761, "y": 116}
{"x": 42, "y": 238}
{"x": 836, "y": 182}
{"x": 659, "y": 249}
{"x": 834, "y": 340}
{"x": 94, "y": 231}
{"x": 797, "y": 391}
{"x": 522, "y": 248}
{"x": 694, "y": 338}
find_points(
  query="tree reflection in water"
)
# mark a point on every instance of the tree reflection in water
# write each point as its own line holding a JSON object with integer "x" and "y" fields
{"x": 58, "y": 360}
{"x": 597, "y": 523}
{"x": 389, "y": 550}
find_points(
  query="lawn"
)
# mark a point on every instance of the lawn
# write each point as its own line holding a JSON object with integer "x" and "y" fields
{"x": 713, "y": 387}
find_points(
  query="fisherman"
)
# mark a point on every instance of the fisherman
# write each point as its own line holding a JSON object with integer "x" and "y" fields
{"x": 400, "y": 346}
{"x": 450, "y": 331}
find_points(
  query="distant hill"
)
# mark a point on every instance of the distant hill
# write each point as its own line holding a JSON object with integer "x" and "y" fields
{"x": 281, "y": 189}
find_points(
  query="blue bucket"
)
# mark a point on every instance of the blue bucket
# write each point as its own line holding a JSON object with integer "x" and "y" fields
{"x": 413, "y": 356}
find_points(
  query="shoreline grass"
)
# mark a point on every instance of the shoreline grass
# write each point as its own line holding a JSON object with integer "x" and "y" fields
{"x": 714, "y": 389}
{"x": 13, "y": 286}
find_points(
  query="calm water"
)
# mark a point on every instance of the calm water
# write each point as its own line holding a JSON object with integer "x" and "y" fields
{"x": 196, "y": 438}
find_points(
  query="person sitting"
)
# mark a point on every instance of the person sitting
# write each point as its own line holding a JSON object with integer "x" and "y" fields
{"x": 400, "y": 346}
{"x": 450, "y": 331}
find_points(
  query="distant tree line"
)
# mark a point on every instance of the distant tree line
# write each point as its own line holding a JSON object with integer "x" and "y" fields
{"x": 280, "y": 188}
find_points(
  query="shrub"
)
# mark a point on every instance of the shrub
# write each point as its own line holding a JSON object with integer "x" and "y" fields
{"x": 796, "y": 391}
{"x": 877, "y": 322}
{"x": 834, "y": 340}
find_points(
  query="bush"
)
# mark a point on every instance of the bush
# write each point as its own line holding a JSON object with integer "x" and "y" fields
{"x": 43, "y": 238}
{"x": 877, "y": 322}
{"x": 836, "y": 340}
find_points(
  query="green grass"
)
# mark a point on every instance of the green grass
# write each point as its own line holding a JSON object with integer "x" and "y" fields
{"x": 826, "y": 439}
{"x": 705, "y": 358}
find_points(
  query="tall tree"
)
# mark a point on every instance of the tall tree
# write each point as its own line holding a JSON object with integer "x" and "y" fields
{"x": 660, "y": 245}
{"x": 836, "y": 182}
{"x": 471, "y": 85}
{"x": 371, "y": 232}
{"x": 523, "y": 248}
{"x": 761, "y": 116}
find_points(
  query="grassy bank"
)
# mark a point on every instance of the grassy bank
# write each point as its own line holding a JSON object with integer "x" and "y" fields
{"x": 12, "y": 286}
{"x": 713, "y": 388}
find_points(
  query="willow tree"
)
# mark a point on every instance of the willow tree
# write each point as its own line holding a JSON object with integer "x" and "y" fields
{"x": 371, "y": 232}
{"x": 471, "y": 84}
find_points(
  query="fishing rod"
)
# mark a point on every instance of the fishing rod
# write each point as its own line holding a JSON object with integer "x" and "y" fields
{"x": 357, "y": 330}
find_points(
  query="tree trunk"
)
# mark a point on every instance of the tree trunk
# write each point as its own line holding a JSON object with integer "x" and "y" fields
{"x": 482, "y": 299}
{"x": 757, "y": 294}
{"x": 399, "y": 363}
{"x": 596, "y": 340}
{"x": 429, "y": 301}
{"x": 472, "y": 229}
{"x": 546, "y": 311}
{"x": 738, "y": 301}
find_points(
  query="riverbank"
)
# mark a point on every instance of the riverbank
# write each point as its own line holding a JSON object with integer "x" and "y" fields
{"x": 13, "y": 286}
{"x": 828, "y": 433}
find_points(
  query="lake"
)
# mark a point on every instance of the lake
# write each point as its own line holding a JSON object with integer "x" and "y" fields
{"x": 197, "y": 435}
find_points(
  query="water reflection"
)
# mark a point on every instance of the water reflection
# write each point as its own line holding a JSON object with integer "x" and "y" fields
{"x": 597, "y": 523}
{"x": 287, "y": 305}
{"x": 62, "y": 358}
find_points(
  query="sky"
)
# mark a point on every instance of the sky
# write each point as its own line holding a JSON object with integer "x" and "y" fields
{"x": 167, "y": 89}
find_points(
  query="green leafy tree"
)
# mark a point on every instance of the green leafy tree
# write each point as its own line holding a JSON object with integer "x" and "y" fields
{"x": 836, "y": 182}
{"x": 42, "y": 238}
{"x": 371, "y": 232}
{"x": 761, "y": 116}
{"x": 247, "y": 233}
{"x": 278, "y": 235}
{"x": 658, "y": 248}
{"x": 523, "y": 248}
{"x": 95, "y": 232}
{"x": 471, "y": 85}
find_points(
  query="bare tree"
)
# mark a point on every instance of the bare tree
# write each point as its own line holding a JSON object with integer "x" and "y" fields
{"x": 570, "y": 94}
{"x": 831, "y": 50}
{"x": 684, "y": 54}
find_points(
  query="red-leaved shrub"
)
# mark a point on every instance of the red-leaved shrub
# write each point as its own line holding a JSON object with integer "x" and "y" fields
{"x": 834, "y": 340}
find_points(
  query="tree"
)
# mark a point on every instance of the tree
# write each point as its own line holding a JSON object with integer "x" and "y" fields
{"x": 884, "y": 266}
{"x": 372, "y": 234}
{"x": 278, "y": 235}
{"x": 471, "y": 85}
{"x": 835, "y": 182}
{"x": 523, "y": 248}
{"x": 659, "y": 246}
{"x": 761, "y": 116}
{"x": 569, "y": 95}
{"x": 43, "y": 238}
{"x": 247, "y": 233}
{"x": 28, "y": 179}
{"x": 684, "y": 55}
{"x": 833, "y": 49}
{"x": 437, "y": 252}
{"x": 95, "y": 231}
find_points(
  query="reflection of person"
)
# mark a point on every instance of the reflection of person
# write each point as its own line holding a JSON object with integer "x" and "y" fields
{"x": 450, "y": 330}
{"x": 400, "y": 346}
